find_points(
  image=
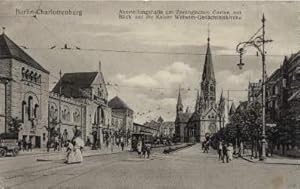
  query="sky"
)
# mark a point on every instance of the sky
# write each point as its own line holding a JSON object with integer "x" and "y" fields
{"x": 147, "y": 60}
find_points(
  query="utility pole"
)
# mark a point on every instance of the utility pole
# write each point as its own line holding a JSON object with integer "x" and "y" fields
{"x": 59, "y": 105}
{"x": 258, "y": 42}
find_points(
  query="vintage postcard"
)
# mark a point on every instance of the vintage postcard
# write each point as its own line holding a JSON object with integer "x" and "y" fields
{"x": 150, "y": 94}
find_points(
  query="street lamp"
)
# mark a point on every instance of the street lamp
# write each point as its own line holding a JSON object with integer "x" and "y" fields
{"x": 258, "y": 41}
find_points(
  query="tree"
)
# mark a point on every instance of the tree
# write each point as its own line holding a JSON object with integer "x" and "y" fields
{"x": 15, "y": 126}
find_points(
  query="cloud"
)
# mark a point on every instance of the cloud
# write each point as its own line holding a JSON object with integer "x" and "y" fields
{"x": 168, "y": 77}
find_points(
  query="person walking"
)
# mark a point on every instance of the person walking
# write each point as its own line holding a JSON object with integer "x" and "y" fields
{"x": 118, "y": 141}
{"x": 225, "y": 154}
{"x": 230, "y": 152}
{"x": 206, "y": 147}
{"x": 220, "y": 151}
{"x": 30, "y": 145}
{"x": 139, "y": 148}
{"x": 122, "y": 143}
{"x": 148, "y": 149}
{"x": 112, "y": 143}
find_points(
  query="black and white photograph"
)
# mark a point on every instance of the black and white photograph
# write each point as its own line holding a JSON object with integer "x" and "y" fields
{"x": 149, "y": 94}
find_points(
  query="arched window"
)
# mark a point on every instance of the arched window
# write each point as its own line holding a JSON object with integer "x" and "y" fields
{"x": 31, "y": 76}
{"x": 29, "y": 107}
{"x": 23, "y": 111}
{"x": 39, "y": 78}
{"x": 35, "y": 111}
{"x": 23, "y": 73}
{"x": 35, "y": 79}
{"x": 27, "y": 74}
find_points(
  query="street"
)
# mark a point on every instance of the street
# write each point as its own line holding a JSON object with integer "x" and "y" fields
{"x": 187, "y": 168}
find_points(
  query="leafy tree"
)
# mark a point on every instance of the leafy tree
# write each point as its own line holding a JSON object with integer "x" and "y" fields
{"x": 15, "y": 126}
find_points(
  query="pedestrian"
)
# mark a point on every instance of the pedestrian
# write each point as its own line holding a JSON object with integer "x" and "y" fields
{"x": 24, "y": 144}
{"x": 225, "y": 154}
{"x": 206, "y": 147}
{"x": 118, "y": 142}
{"x": 148, "y": 149}
{"x": 220, "y": 151}
{"x": 230, "y": 152}
{"x": 30, "y": 145}
{"x": 122, "y": 143}
{"x": 27, "y": 144}
{"x": 112, "y": 143}
{"x": 139, "y": 147}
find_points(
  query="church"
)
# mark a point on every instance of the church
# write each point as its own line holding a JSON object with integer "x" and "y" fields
{"x": 209, "y": 115}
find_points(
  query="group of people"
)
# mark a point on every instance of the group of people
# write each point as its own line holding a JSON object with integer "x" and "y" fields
{"x": 25, "y": 145}
{"x": 225, "y": 151}
{"x": 143, "y": 149}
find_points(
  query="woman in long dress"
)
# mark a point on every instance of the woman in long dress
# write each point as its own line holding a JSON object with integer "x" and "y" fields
{"x": 70, "y": 152}
{"x": 230, "y": 152}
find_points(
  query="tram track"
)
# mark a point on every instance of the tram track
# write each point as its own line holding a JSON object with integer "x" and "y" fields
{"x": 49, "y": 169}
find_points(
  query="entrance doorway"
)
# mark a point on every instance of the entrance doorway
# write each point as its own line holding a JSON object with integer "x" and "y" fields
{"x": 37, "y": 141}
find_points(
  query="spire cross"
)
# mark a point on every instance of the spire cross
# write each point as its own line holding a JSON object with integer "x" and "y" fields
{"x": 208, "y": 33}
{"x": 3, "y": 30}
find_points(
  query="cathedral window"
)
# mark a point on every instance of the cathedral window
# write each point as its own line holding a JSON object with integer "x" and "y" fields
{"x": 30, "y": 107}
{"x": 27, "y": 74}
{"x": 23, "y": 111}
{"x": 35, "y": 111}
{"x": 31, "y": 76}
{"x": 23, "y": 73}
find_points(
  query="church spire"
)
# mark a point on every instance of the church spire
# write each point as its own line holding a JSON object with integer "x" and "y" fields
{"x": 179, "y": 106}
{"x": 208, "y": 83}
{"x": 208, "y": 71}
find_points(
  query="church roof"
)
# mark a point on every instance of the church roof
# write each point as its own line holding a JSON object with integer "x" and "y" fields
{"x": 208, "y": 71}
{"x": 8, "y": 49}
{"x": 118, "y": 103}
{"x": 160, "y": 119}
{"x": 183, "y": 117}
{"x": 168, "y": 124}
{"x": 71, "y": 83}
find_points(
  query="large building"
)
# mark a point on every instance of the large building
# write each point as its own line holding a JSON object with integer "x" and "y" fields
{"x": 282, "y": 103}
{"x": 79, "y": 101}
{"x": 25, "y": 85}
{"x": 83, "y": 104}
{"x": 208, "y": 116}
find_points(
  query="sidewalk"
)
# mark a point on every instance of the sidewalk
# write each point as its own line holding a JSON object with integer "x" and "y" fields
{"x": 43, "y": 155}
{"x": 273, "y": 160}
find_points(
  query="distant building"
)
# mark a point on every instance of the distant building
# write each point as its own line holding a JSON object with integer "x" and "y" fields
{"x": 121, "y": 113}
{"x": 209, "y": 116}
{"x": 140, "y": 129}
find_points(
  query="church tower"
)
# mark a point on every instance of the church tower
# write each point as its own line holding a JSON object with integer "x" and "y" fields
{"x": 208, "y": 83}
{"x": 179, "y": 106}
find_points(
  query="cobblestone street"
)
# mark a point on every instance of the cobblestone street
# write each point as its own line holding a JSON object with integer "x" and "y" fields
{"x": 187, "y": 168}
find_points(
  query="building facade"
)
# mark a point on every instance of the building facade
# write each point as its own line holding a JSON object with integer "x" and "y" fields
{"x": 78, "y": 101}
{"x": 26, "y": 92}
{"x": 122, "y": 115}
{"x": 83, "y": 105}
{"x": 208, "y": 116}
